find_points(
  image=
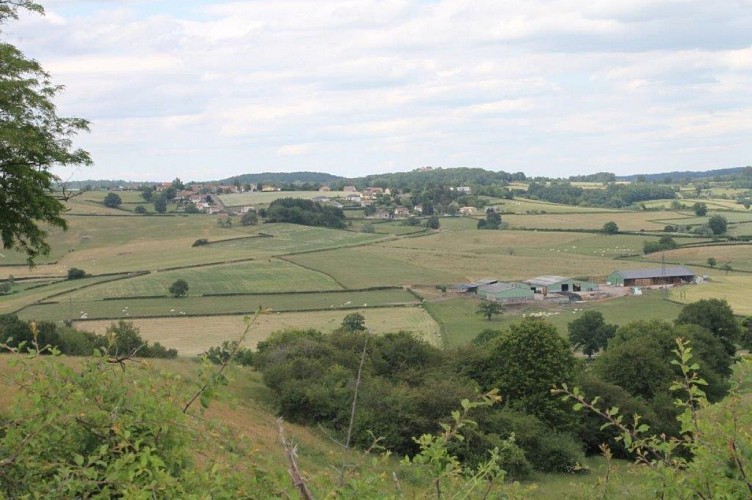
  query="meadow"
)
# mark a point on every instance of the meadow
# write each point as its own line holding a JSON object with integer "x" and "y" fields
{"x": 192, "y": 336}
{"x": 261, "y": 199}
{"x": 126, "y": 308}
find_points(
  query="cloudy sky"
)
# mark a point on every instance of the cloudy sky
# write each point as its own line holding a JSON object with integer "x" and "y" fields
{"x": 205, "y": 89}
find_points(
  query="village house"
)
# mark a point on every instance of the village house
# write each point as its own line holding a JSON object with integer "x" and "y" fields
{"x": 401, "y": 212}
{"x": 467, "y": 210}
{"x": 350, "y": 189}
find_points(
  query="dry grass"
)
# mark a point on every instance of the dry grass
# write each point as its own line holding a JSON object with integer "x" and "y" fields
{"x": 192, "y": 336}
{"x": 735, "y": 289}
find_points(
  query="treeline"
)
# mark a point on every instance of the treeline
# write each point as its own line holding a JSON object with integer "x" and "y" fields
{"x": 614, "y": 196}
{"x": 597, "y": 177}
{"x": 283, "y": 178}
{"x": 305, "y": 212}
{"x": 478, "y": 179}
{"x": 406, "y": 387}
{"x": 122, "y": 338}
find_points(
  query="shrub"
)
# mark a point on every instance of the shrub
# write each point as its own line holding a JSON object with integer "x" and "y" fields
{"x": 200, "y": 242}
{"x": 74, "y": 273}
{"x": 112, "y": 200}
{"x": 140, "y": 210}
{"x": 179, "y": 288}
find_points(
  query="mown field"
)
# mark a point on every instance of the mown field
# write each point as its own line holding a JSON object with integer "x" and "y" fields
{"x": 192, "y": 336}
{"x": 67, "y": 307}
{"x": 258, "y": 198}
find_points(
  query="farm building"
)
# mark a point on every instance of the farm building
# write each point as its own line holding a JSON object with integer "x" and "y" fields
{"x": 506, "y": 292}
{"x": 546, "y": 284}
{"x": 669, "y": 275}
{"x": 485, "y": 281}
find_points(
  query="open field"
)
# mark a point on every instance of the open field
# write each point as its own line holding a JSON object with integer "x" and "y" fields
{"x": 192, "y": 336}
{"x": 525, "y": 206}
{"x": 627, "y": 221}
{"x": 65, "y": 307}
{"x": 257, "y": 198}
{"x": 740, "y": 256}
{"x": 462, "y": 324}
{"x": 243, "y": 277}
{"x": 735, "y": 289}
{"x": 367, "y": 266}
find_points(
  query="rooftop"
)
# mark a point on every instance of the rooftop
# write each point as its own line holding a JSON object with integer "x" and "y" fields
{"x": 546, "y": 280}
{"x": 499, "y": 287}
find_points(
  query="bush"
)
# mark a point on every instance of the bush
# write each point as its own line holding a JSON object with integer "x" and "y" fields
{"x": 200, "y": 242}
{"x": 74, "y": 273}
{"x": 179, "y": 288}
{"x": 221, "y": 354}
{"x": 112, "y": 200}
{"x": 610, "y": 228}
{"x": 558, "y": 453}
{"x": 367, "y": 228}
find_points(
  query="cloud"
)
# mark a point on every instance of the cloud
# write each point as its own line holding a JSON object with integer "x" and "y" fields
{"x": 356, "y": 86}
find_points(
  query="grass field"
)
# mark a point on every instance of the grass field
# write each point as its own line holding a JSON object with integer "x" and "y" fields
{"x": 257, "y": 198}
{"x": 735, "y": 289}
{"x": 739, "y": 256}
{"x": 243, "y": 277}
{"x": 192, "y": 336}
{"x": 461, "y": 324}
{"x": 525, "y": 206}
{"x": 65, "y": 308}
{"x": 627, "y": 221}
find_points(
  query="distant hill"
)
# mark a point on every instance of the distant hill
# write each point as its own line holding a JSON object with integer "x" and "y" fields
{"x": 283, "y": 178}
{"x": 678, "y": 175}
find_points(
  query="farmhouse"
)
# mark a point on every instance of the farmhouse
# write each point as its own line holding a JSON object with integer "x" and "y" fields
{"x": 669, "y": 275}
{"x": 506, "y": 292}
{"x": 546, "y": 284}
{"x": 467, "y": 210}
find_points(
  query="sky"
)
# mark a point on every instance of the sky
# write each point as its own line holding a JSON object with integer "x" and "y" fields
{"x": 210, "y": 89}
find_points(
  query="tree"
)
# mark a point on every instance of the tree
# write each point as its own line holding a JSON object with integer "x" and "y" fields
{"x": 701, "y": 209}
{"x": 492, "y": 220}
{"x": 590, "y": 333}
{"x": 489, "y": 309}
{"x": 726, "y": 266}
{"x": 179, "y": 288}
{"x": 140, "y": 209}
{"x": 33, "y": 140}
{"x": 178, "y": 184}
{"x": 354, "y": 322}
{"x": 715, "y": 315}
{"x": 712, "y": 262}
{"x": 112, "y": 200}
{"x": 718, "y": 224}
{"x": 160, "y": 205}
{"x": 250, "y": 218}
{"x": 433, "y": 222}
{"x": 610, "y": 228}
{"x": 74, "y": 273}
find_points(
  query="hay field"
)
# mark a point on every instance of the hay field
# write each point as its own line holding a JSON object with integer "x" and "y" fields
{"x": 192, "y": 336}
{"x": 65, "y": 308}
{"x": 524, "y": 206}
{"x": 740, "y": 256}
{"x": 257, "y": 198}
{"x": 735, "y": 289}
{"x": 255, "y": 276}
{"x": 627, "y": 221}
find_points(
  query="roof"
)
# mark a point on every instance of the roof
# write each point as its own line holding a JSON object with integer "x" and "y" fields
{"x": 499, "y": 287}
{"x": 486, "y": 281}
{"x": 546, "y": 280}
{"x": 655, "y": 272}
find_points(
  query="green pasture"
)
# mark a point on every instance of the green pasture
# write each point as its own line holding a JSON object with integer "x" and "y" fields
{"x": 26, "y": 297}
{"x": 736, "y": 289}
{"x": 257, "y": 198}
{"x": 192, "y": 336}
{"x": 461, "y": 324}
{"x": 739, "y": 256}
{"x": 396, "y": 228}
{"x": 731, "y": 217}
{"x": 526, "y": 206}
{"x": 362, "y": 267}
{"x": 255, "y": 276}
{"x": 73, "y": 306}
{"x": 627, "y": 221}
{"x": 506, "y": 263}
{"x": 716, "y": 204}
{"x": 292, "y": 238}
{"x": 459, "y": 223}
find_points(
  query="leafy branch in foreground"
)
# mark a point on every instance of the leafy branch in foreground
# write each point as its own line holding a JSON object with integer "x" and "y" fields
{"x": 711, "y": 457}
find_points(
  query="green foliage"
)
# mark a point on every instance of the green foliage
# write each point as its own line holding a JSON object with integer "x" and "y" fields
{"x": 610, "y": 228}
{"x": 614, "y": 196}
{"x": 112, "y": 200}
{"x": 367, "y": 228}
{"x": 160, "y": 205}
{"x": 664, "y": 243}
{"x": 229, "y": 350}
{"x": 486, "y": 336}
{"x": 718, "y": 224}
{"x": 124, "y": 339}
{"x": 249, "y": 218}
{"x": 34, "y": 141}
{"x": 590, "y": 333}
{"x": 709, "y": 458}
{"x": 75, "y": 273}
{"x": 200, "y": 242}
{"x": 700, "y": 209}
{"x": 179, "y": 288}
{"x": 492, "y": 220}
{"x": 489, "y": 309}
{"x": 353, "y": 322}
{"x": 715, "y": 315}
{"x": 140, "y": 209}
{"x": 305, "y": 212}
{"x": 525, "y": 363}
{"x": 712, "y": 262}
{"x": 433, "y": 222}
